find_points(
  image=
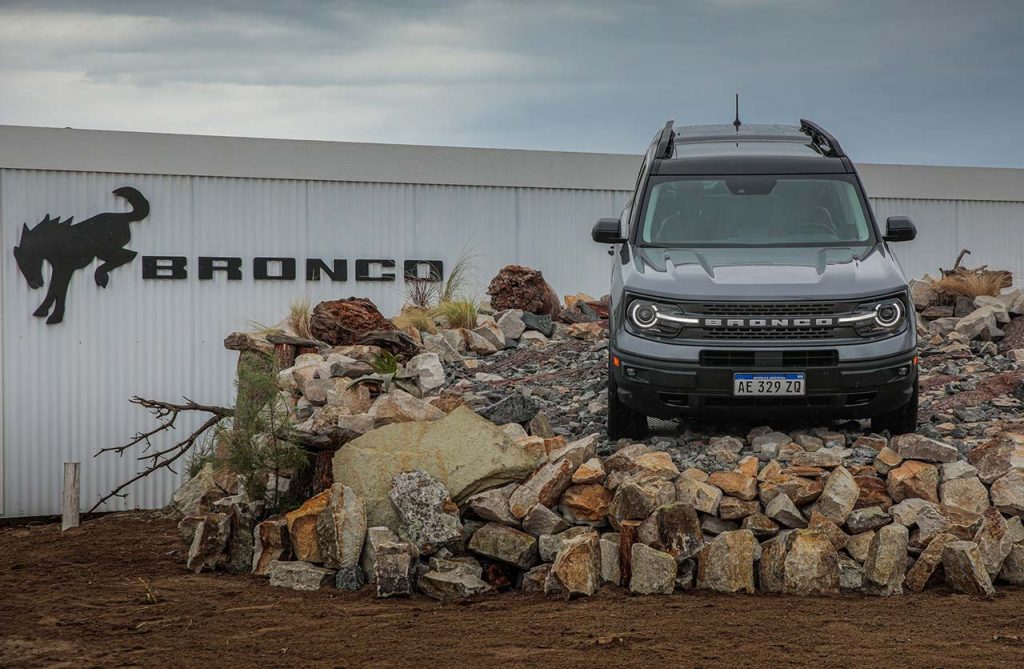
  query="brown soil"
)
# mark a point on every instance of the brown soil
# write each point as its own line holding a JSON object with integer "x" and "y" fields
{"x": 80, "y": 600}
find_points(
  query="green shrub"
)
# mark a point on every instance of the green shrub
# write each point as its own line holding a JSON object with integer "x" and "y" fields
{"x": 458, "y": 313}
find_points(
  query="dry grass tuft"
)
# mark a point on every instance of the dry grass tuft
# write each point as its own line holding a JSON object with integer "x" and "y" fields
{"x": 415, "y": 317}
{"x": 973, "y": 284}
{"x": 458, "y": 313}
{"x": 299, "y": 313}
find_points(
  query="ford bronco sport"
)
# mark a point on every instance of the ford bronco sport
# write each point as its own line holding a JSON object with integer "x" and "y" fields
{"x": 749, "y": 278}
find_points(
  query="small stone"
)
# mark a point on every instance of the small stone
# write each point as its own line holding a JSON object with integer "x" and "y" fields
{"x": 701, "y": 496}
{"x": 653, "y": 572}
{"x": 585, "y": 503}
{"x": 515, "y": 408}
{"x": 782, "y": 510}
{"x": 1015, "y": 528}
{"x": 851, "y": 574}
{"x": 548, "y": 545}
{"x": 731, "y": 508}
{"x": 808, "y": 442}
{"x": 886, "y": 562}
{"x": 886, "y": 460}
{"x": 838, "y": 496}
{"x": 428, "y": 371}
{"x": 429, "y": 518}
{"x": 694, "y": 474}
{"x": 591, "y": 471}
{"x": 735, "y": 484}
{"x": 928, "y": 567}
{"x": 299, "y": 576}
{"x": 950, "y": 471}
{"x": 577, "y": 567}
{"x": 505, "y": 544}
{"x": 635, "y": 499}
{"x": 859, "y": 545}
{"x": 969, "y": 494}
{"x": 873, "y": 492}
{"x": 350, "y": 578}
{"x": 535, "y": 579}
{"x": 994, "y": 542}
{"x": 493, "y": 504}
{"x": 712, "y": 525}
{"x": 907, "y": 511}
{"x": 609, "y": 546}
{"x": 270, "y": 539}
{"x": 870, "y": 518}
{"x": 726, "y": 564}
{"x": 394, "y": 565}
{"x": 545, "y": 486}
{"x": 208, "y": 542}
{"x": 542, "y": 520}
{"x": 834, "y": 533}
{"x": 999, "y": 455}
{"x": 919, "y": 447}
{"x": 451, "y": 585}
{"x": 769, "y": 444}
{"x": 824, "y": 458}
{"x": 914, "y": 479}
{"x": 748, "y": 466}
{"x": 399, "y": 406}
{"x": 677, "y": 530}
{"x": 1013, "y": 567}
{"x": 965, "y": 570}
{"x": 801, "y": 490}
{"x": 811, "y": 565}
{"x": 761, "y": 525}
{"x": 875, "y": 442}
{"x": 511, "y": 323}
{"x": 1008, "y": 493}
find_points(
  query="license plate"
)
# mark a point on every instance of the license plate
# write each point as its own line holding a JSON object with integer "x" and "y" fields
{"x": 781, "y": 384}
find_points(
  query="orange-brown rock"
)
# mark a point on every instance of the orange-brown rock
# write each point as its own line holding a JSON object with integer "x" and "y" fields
{"x": 344, "y": 322}
{"x": 302, "y": 527}
{"x": 914, "y": 479}
{"x": 801, "y": 490}
{"x": 588, "y": 502}
{"x": 735, "y": 484}
{"x": 519, "y": 287}
{"x": 872, "y": 492}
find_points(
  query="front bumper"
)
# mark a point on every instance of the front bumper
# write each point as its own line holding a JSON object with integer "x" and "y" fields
{"x": 843, "y": 385}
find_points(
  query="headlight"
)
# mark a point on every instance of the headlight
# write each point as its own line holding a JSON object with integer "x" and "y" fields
{"x": 658, "y": 318}
{"x": 873, "y": 318}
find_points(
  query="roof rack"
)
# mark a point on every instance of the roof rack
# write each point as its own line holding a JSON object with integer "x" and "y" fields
{"x": 821, "y": 139}
{"x": 666, "y": 141}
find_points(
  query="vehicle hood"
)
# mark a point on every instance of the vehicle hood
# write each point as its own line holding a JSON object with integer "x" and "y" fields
{"x": 769, "y": 273}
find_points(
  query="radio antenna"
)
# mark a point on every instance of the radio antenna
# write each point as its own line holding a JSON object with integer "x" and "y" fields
{"x": 736, "y": 124}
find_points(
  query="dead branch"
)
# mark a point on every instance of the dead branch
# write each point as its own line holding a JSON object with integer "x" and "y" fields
{"x": 167, "y": 413}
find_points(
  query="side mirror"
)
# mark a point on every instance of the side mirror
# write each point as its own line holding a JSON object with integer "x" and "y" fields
{"x": 606, "y": 231}
{"x": 899, "y": 229}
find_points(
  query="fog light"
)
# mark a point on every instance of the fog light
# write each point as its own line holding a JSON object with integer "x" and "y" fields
{"x": 903, "y": 371}
{"x": 630, "y": 372}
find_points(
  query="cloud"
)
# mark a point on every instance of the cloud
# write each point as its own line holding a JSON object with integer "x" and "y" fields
{"x": 895, "y": 83}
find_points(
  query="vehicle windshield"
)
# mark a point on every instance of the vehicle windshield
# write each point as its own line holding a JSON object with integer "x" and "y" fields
{"x": 755, "y": 210}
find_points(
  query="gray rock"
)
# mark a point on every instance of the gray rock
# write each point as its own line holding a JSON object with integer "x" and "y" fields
{"x": 1008, "y": 493}
{"x": 918, "y": 447}
{"x": 511, "y": 323}
{"x": 540, "y": 520}
{"x": 980, "y": 321}
{"x": 654, "y": 572}
{"x": 197, "y": 495}
{"x": 907, "y": 511}
{"x": 609, "y": 546}
{"x": 851, "y": 574}
{"x": 870, "y": 518}
{"x": 535, "y": 579}
{"x": 839, "y": 496}
{"x": 770, "y": 443}
{"x": 538, "y": 323}
{"x": 1015, "y": 528}
{"x": 505, "y": 544}
{"x": 1013, "y": 566}
{"x": 209, "y": 542}
{"x": 967, "y": 493}
{"x": 712, "y": 525}
{"x": 394, "y": 566}
{"x": 994, "y": 542}
{"x": 350, "y": 578}
{"x": 514, "y": 408}
{"x": 886, "y": 562}
{"x": 270, "y": 543}
{"x": 859, "y": 545}
{"x": 959, "y": 469}
{"x": 427, "y": 370}
{"x": 341, "y": 529}
{"x": 240, "y": 549}
{"x": 429, "y": 518}
{"x": 782, "y": 510}
{"x": 451, "y": 584}
{"x": 493, "y": 504}
{"x": 548, "y": 545}
{"x": 299, "y": 575}
{"x": 964, "y": 569}
{"x": 701, "y": 496}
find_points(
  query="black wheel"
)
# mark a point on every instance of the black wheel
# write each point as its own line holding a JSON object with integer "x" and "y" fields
{"x": 623, "y": 421}
{"x": 899, "y": 421}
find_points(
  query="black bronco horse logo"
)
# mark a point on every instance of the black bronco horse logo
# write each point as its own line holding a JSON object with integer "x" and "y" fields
{"x": 68, "y": 248}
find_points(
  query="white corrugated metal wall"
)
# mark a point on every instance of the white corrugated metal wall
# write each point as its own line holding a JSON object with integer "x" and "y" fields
{"x": 66, "y": 387}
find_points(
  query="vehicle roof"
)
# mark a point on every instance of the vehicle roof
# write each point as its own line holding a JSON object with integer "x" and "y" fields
{"x": 750, "y": 149}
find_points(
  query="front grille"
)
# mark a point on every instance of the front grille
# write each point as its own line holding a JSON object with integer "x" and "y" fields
{"x": 754, "y": 360}
{"x": 766, "y": 308}
{"x": 768, "y": 333}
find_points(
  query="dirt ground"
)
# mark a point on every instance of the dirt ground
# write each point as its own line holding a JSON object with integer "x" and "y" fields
{"x": 84, "y": 599}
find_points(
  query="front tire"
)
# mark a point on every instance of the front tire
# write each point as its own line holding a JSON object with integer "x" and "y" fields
{"x": 899, "y": 421}
{"x": 623, "y": 422}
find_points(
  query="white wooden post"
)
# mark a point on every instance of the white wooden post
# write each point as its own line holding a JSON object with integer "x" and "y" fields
{"x": 71, "y": 496}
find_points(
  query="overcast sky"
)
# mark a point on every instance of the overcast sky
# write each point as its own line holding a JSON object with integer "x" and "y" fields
{"x": 931, "y": 81}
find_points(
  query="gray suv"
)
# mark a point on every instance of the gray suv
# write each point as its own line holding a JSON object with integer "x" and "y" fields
{"x": 749, "y": 278}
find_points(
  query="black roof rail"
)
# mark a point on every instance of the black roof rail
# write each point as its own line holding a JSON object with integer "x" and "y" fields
{"x": 821, "y": 139}
{"x": 665, "y": 142}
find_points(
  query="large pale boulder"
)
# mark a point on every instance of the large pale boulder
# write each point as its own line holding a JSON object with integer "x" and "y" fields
{"x": 968, "y": 493}
{"x": 463, "y": 451}
{"x": 209, "y": 542}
